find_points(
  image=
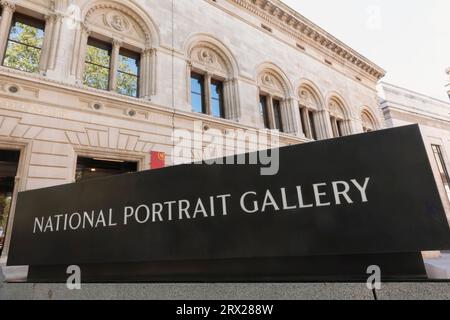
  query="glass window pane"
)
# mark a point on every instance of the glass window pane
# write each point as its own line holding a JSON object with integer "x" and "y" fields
{"x": 217, "y": 99}
{"x": 98, "y": 56}
{"x": 22, "y": 57}
{"x": 27, "y": 34}
{"x": 197, "y": 93}
{"x": 263, "y": 111}
{"x": 23, "y": 50}
{"x": 277, "y": 115}
{"x": 127, "y": 84}
{"x": 197, "y": 103}
{"x": 196, "y": 85}
{"x": 216, "y": 108}
{"x": 128, "y": 65}
{"x": 313, "y": 124}
{"x": 96, "y": 77}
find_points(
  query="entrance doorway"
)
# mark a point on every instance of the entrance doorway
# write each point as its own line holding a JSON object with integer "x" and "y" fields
{"x": 9, "y": 163}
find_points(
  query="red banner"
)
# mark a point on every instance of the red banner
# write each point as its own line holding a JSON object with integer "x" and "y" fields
{"x": 158, "y": 160}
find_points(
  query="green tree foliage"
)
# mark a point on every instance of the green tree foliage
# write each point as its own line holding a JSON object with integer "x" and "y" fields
{"x": 24, "y": 47}
{"x": 97, "y": 71}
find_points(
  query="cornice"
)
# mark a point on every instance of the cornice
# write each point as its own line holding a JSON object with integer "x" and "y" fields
{"x": 300, "y": 28}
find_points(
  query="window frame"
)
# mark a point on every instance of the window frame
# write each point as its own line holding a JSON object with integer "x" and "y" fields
{"x": 29, "y": 21}
{"x": 220, "y": 84}
{"x": 201, "y": 79}
{"x": 103, "y": 45}
{"x": 132, "y": 55}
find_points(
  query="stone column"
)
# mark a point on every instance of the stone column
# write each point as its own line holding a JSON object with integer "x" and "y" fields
{"x": 80, "y": 54}
{"x": 5, "y": 24}
{"x": 323, "y": 125}
{"x": 45, "y": 52}
{"x": 231, "y": 99}
{"x": 55, "y": 39}
{"x": 290, "y": 122}
{"x": 114, "y": 64}
{"x": 270, "y": 111}
{"x": 207, "y": 86}
{"x": 146, "y": 73}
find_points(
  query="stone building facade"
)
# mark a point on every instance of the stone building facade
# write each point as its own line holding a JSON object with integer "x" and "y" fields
{"x": 448, "y": 82}
{"x": 404, "y": 107}
{"x": 253, "y": 65}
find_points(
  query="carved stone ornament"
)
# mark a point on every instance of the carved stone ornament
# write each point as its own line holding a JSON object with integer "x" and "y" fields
{"x": 117, "y": 21}
{"x": 270, "y": 81}
{"x": 308, "y": 98}
{"x": 207, "y": 56}
{"x": 336, "y": 110}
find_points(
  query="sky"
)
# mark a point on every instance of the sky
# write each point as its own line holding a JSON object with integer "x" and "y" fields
{"x": 410, "y": 39}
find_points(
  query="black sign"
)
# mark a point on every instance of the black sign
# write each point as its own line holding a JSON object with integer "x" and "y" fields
{"x": 364, "y": 194}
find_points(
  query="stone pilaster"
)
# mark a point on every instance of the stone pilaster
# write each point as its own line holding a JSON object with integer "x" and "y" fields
{"x": 80, "y": 52}
{"x": 5, "y": 23}
{"x": 290, "y": 121}
{"x": 323, "y": 125}
{"x": 146, "y": 73}
{"x": 231, "y": 104}
{"x": 55, "y": 41}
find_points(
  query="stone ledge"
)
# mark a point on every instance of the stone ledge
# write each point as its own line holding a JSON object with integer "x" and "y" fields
{"x": 319, "y": 291}
{"x": 300, "y": 291}
{"x": 415, "y": 291}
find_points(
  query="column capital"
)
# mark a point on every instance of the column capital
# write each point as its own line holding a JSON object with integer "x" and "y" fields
{"x": 85, "y": 28}
{"x": 53, "y": 17}
{"x": 147, "y": 51}
{"x": 8, "y": 5}
{"x": 117, "y": 42}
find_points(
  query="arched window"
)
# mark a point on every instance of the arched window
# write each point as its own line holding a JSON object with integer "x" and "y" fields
{"x": 113, "y": 51}
{"x": 211, "y": 74}
{"x": 368, "y": 121}
{"x": 275, "y": 105}
{"x": 309, "y": 112}
{"x": 338, "y": 118}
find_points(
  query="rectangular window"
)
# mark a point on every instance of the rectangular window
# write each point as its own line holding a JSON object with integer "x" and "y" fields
{"x": 278, "y": 125}
{"x": 97, "y": 64}
{"x": 304, "y": 121}
{"x": 313, "y": 124}
{"x": 443, "y": 171}
{"x": 263, "y": 111}
{"x": 93, "y": 168}
{"x": 198, "y": 93}
{"x": 25, "y": 41}
{"x": 9, "y": 161}
{"x": 128, "y": 73}
{"x": 217, "y": 109}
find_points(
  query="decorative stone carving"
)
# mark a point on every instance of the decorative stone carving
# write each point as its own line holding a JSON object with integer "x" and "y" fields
{"x": 336, "y": 109}
{"x": 207, "y": 56}
{"x": 271, "y": 82}
{"x": 308, "y": 98}
{"x": 117, "y": 21}
{"x": 368, "y": 122}
{"x": 210, "y": 59}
